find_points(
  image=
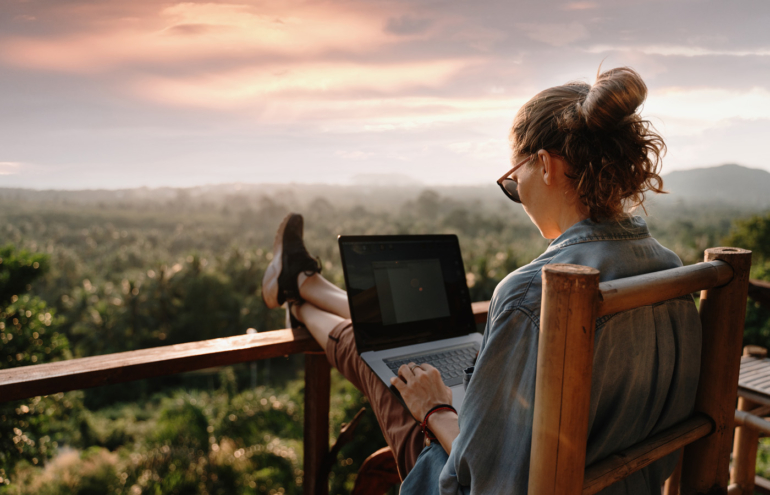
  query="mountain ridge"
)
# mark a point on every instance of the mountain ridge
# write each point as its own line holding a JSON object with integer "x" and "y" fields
{"x": 729, "y": 184}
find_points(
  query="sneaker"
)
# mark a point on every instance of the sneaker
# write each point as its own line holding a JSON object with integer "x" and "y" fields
{"x": 290, "y": 258}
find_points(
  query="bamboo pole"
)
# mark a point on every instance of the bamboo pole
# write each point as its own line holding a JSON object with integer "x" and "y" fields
{"x": 671, "y": 486}
{"x": 562, "y": 390}
{"x": 316, "y": 434}
{"x": 620, "y": 465}
{"x": 746, "y": 438}
{"x": 631, "y": 292}
{"x": 705, "y": 466}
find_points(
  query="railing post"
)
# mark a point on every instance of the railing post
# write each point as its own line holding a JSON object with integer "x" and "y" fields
{"x": 745, "y": 448}
{"x": 746, "y": 441}
{"x": 705, "y": 466}
{"x": 564, "y": 365}
{"x": 316, "y": 435}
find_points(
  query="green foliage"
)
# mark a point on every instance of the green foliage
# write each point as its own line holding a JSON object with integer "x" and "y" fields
{"x": 753, "y": 233}
{"x": 29, "y": 430}
{"x": 185, "y": 444}
{"x": 92, "y": 472}
{"x": 181, "y": 426}
{"x": 18, "y": 269}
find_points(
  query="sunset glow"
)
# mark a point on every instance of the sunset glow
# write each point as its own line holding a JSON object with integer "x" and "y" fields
{"x": 121, "y": 93}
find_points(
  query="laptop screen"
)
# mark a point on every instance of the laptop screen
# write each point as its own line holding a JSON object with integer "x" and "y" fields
{"x": 405, "y": 289}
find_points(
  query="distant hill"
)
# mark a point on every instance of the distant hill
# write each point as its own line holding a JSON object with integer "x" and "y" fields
{"x": 734, "y": 186}
{"x": 727, "y": 184}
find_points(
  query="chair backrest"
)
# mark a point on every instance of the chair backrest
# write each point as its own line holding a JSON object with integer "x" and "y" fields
{"x": 572, "y": 300}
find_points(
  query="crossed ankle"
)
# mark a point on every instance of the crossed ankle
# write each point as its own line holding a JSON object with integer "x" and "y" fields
{"x": 294, "y": 309}
{"x": 302, "y": 278}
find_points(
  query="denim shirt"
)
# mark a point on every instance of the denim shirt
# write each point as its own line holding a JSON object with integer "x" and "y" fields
{"x": 646, "y": 366}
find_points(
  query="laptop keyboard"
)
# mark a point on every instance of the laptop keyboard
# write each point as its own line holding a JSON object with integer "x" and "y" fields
{"x": 451, "y": 362}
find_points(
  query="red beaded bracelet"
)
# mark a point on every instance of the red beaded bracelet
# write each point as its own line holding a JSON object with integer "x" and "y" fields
{"x": 441, "y": 407}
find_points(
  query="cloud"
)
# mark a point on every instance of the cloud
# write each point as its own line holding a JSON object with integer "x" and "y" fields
{"x": 407, "y": 24}
{"x": 298, "y": 84}
{"x": 581, "y": 6}
{"x": 353, "y": 155}
{"x": 688, "y": 111}
{"x": 681, "y": 50}
{"x": 187, "y": 32}
{"x": 555, "y": 34}
{"x": 492, "y": 148}
{"x": 9, "y": 168}
{"x": 193, "y": 29}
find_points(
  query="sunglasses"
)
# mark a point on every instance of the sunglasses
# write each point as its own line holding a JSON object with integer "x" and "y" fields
{"x": 508, "y": 185}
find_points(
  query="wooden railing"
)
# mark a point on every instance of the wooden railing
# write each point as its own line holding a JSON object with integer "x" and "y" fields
{"x": 76, "y": 374}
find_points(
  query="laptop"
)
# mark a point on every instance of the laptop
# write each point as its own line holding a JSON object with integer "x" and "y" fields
{"x": 409, "y": 302}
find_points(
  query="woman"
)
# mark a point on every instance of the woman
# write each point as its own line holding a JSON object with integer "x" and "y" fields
{"x": 583, "y": 156}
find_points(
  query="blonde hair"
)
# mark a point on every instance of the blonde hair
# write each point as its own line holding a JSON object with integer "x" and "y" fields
{"x": 614, "y": 155}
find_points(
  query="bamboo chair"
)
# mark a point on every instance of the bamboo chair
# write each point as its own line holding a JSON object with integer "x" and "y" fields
{"x": 572, "y": 300}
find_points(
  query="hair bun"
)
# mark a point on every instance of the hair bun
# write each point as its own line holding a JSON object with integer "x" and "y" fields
{"x": 615, "y": 95}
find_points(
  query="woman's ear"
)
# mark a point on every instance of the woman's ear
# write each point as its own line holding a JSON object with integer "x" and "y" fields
{"x": 549, "y": 166}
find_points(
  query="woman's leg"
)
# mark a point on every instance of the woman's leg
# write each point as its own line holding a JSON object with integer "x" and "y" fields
{"x": 335, "y": 335}
{"x": 326, "y": 314}
{"x": 323, "y": 294}
{"x": 318, "y": 322}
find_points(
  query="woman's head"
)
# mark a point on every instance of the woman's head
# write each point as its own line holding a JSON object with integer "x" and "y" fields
{"x": 611, "y": 156}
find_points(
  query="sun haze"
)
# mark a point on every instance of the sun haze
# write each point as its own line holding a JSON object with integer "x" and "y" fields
{"x": 142, "y": 93}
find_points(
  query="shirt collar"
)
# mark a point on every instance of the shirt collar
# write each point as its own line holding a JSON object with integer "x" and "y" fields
{"x": 631, "y": 227}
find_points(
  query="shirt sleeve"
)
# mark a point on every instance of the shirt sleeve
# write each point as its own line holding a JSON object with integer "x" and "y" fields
{"x": 491, "y": 454}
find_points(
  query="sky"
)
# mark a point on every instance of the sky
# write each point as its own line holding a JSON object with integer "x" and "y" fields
{"x": 129, "y": 93}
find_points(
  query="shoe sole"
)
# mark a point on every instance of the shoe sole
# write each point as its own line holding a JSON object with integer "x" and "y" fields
{"x": 273, "y": 270}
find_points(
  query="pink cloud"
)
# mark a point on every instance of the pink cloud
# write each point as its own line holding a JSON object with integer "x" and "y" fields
{"x": 193, "y": 31}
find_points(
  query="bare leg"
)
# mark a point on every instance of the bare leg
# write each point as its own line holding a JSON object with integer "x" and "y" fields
{"x": 324, "y": 295}
{"x": 318, "y": 322}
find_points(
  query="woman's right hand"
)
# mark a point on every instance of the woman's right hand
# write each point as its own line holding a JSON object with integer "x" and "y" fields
{"x": 422, "y": 388}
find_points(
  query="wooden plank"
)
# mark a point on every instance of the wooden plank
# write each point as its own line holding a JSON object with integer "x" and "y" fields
{"x": 760, "y": 411}
{"x": 755, "y": 372}
{"x": 761, "y": 485}
{"x": 75, "y": 374}
{"x": 628, "y": 293}
{"x": 754, "y": 396}
{"x": 759, "y": 290}
{"x": 604, "y": 473}
{"x": 705, "y": 468}
{"x": 758, "y": 383}
{"x": 751, "y": 362}
{"x": 316, "y": 434}
{"x": 480, "y": 310}
{"x": 563, "y": 383}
